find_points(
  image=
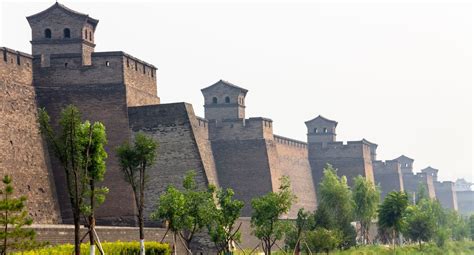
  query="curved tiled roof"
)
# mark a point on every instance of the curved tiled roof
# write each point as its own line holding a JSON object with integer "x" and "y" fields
{"x": 67, "y": 10}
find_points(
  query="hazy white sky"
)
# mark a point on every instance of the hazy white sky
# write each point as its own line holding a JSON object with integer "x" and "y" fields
{"x": 398, "y": 73}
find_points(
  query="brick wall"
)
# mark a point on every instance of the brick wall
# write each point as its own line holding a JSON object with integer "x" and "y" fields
{"x": 446, "y": 194}
{"x": 388, "y": 176}
{"x": 351, "y": 159}
{"x": 180, "y": 148}
{"x": 99, "y": 102}
{"x": 243, "y": 165}
{"x": 293, "y": 162}
{"x": 22, "y": 153}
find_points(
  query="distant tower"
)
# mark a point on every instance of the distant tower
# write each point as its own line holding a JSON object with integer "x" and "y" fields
{"x": 431, "y": 171}
{"x": 224, "y": 100}
{"x": 60, "y": 30}
{"x": 321, "y": 130}
{"x": 406, "y": 164}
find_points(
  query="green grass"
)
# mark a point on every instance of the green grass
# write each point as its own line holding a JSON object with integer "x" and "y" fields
{"x": 451, "y": 248}
{"x": 119, "y": 248}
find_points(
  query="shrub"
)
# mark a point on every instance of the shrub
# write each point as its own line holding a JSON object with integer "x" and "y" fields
{"x": 119, "y": 248}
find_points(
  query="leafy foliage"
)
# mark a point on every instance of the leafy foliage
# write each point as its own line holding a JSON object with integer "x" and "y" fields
{"x": 366, "y": 200}
{"x": 123, "y": 248}
{"x": 13, "y": 217}
{"x": 323, "y": 240}
{"x": 297, "y": 232}
{"x": 391, "y": 213}
{"x": 79, "y": 146}
{"x": 135, "y": 160}
{"x": 336, "y": 200}
{"x": 188, "y": 211}
{"x": 266, "y": 213}
{"x": 222, "y": 226}
{"x": 420, "y": 224}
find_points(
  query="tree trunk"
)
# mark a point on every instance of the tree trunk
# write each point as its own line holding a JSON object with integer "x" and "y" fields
{"x": 140, "y": 210}
{"x": 297, "y": 248}
{"x": 92, "y": 219}
{"x": 142, "y": 233}
{"x": 174, "y": 243}
{"x": 77, "y": 233}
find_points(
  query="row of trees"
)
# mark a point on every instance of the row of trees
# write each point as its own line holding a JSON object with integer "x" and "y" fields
{"x": 79, "y": 147}
{"x": 330, "y": 226}
{"x": 187, "y": 210}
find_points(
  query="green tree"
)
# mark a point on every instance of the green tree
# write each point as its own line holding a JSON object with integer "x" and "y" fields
{"x": 199, "y": 205}
{"x": 457, "y": 225}
{"x": 391, "y": 213}
{"x": 187, "y": 211}
{"x": 421, "y": 193}
{"x": 79, "y": 148}
{"x": 135, "y": 160}
{"x": 323, "y": 218}
{"x": 95, "y": 173}
{"x": 172, "y": 209}
{"x": 420, "y": 224}
{"x": 336, "y": 199}
{"x": 366, "y": 198}
{"x": 304, "y": 222}
{"x": 266, "y": 213}
{"x": 222, "y": 227}
{"x": 323, "y": 240}
{"x": 13, "y": 217}
{"x": 471, "y": 226}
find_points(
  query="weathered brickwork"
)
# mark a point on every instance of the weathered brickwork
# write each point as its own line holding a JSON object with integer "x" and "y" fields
{"x": 351, "y": 159}
{"x": 118, "y": 208}
{"x": 388, "y": 176}
{"x": 444, "y": 191}
{"x": 225, "y": 148}
{"x": 446, "y": 194}
{"x": 293, "y": 162}
{"x": 181, "y": 148}
{"x": 243, "y": 166}
{"x": 22, "y": 153}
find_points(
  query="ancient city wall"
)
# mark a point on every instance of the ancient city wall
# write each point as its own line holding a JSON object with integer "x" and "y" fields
{"x": 446, "y": 195}
{"x": 66, "y": 69}
{"x": 388, "y": 176}
{"x": 243, "y": 165}
{"x": 253, "y": 128}
{"x": 465, "y": 202}
{"x": 351, "y": 159}
{"x": 411, "y": 183}
{"x": 97, "y": 102}
{"x": 181, "y": 148}
{"x": 293, "y": 162}
{"x": 140, "y": 78}
{"x": 22, "y": 151}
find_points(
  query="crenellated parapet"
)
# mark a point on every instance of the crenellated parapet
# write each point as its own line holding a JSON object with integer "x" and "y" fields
{"x": 388, "y": 176}
{"x": 241, "y": 129}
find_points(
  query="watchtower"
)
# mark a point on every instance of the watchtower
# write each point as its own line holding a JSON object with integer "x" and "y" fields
{"x": 60, "y": 30}
{"x": 321, "y": 130}
{"x": 431, "y": 171}
{"x": 406, "y": 164}
{"x": 224, "y": 101}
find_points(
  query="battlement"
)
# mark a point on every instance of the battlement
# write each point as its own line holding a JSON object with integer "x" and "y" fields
{"x": 339, "y": 149}
{"x": 114, "y": 67}
{"x": 289, "y": 141}
{"x": 15, "y": 66}
{"x": 241, "y": 129}
{"x": 388, "y": 165}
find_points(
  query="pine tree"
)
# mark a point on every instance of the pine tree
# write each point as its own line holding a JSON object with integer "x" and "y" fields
{"x": 13, "y": 217}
